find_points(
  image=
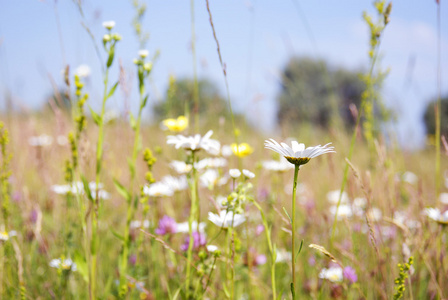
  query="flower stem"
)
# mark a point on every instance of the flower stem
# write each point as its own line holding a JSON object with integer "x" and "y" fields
{"x": 293, "y": 225}
{"x": 190, "y": 224}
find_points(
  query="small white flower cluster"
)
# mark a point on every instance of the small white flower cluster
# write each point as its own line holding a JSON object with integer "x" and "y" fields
{"x": 42, "y": 140}
{"x": 166, "y": 187}
{"x": 281, "y": 165}
{"x": 63, "y": 264}
{"x": 226, "y": 219}
{"x": 137, "y": 224}
{"x": 436, "y": 215}
{"x": 333, "y": 274}
{"x": 235, "y": 173}
{"x": 78, "y": 188}
{"x": 195, "y": 143}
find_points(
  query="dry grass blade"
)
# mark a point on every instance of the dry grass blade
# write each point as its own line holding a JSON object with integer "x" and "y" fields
{"x": 324, "y": 251}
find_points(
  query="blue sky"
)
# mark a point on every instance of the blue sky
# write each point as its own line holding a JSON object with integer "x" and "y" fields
{"x": 257, "y": 38}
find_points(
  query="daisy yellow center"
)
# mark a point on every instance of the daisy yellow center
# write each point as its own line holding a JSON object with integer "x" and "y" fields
{"x": 298, "y": 160}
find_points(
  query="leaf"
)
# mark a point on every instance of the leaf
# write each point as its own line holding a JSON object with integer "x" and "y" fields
{"x": 122, "y": 190}
{"x": 112, "y": 90}
{"x": 81, "y": 265}
{"x": 131, "y": 166}
{"x": 325, "y": 252}
{"x": 111, "y": 57}
{"x": 117, "y": 235}
{"x": 293, "y": 292}
{"x": 95, "y": 116}
{"x": 287, "y": 214}
{"x": 300, "y": 249}
{"x": 176, "y": 294}
{"x": 132, "y": 121}
{"x": 145, "y": 100}
{"x": 87, "y": 190}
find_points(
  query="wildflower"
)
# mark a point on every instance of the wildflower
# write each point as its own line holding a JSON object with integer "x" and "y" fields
{"x": 62, "y": 140}
{"x": 344, "y": 211}
{"x": 226, "y": 219}
{"x": 212, "y": 248}
{"x": 106, "y": 38}
{"x": 375, "y": 214}
{"x": 226, "y": 150}
{"x": 199, "y": 240}
{"x": 82, "y": 71}
{"x": 167, "y": 225}
{"x": 183, "y": 227}
{"x": 283, "y": 256}
{"x": 4, "y": 236}
{"x": 217, "y": 162}
{"x": 176, "y": 184}
{"x": 138, "y": 224}
{"x": 297, "y": 154}
{"x": 277, "y": 166}
{"x": 181, "y": 167}
{"x": 443, "y": 198}
{"x": 333, "y": 274}
{"x": 241, "y": 150}
{"x": 143, "y": 53}
{"x": 195, "y": 143}
{"x": 158, "y": 189}
{"x": 63, "y": 264}
{"x": 40, "y": 141}
{"x": 175, "y": 125}
{"x": 234, "y": 173}
{"x": 259, "y": 230}
{"x": 109, "y": 24}
{"x": 248, "y": 174}
{"x": 409, "y": 177}
{"x": 436, "y": 215}
{"x": 350, "y": 274}
{"x": 333, "y": 197}
{"x": 211, "y": 177}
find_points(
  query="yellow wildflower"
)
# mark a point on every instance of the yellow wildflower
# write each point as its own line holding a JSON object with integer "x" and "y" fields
{"x": 176, "y": 125}
{"x": 242, "y": 150}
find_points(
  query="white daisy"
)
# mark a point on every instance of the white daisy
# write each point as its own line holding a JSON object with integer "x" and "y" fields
{"x": 158, "y": 189}
{"x": 66, "y": 264}
{"x": 344, "y": 211}
{"x": 180, "y": 166}
{"x": 225, "y": 219}
{"x": 409, "y": 177}
{"x": 443, "y": 198}
{"x": 212, "y": 248}
{"x": 278, "y": 166}
{"x": 183, "y": 227}
{"x": 248, "y": 174}
{"x": 109, "y": 24}
{"x": 217, "y": 162}
{"x": 297, "y": 154}
{"x": 333, "y": 197}
{"x": 234, "y": 173}
{"x": 176, "y": 184}
{"x": 195, "y": 143}
{"x": 143, "y": 53}
{"x": 436, "y": 215}
{"x": 40, "y": 141}
{"x": 209, "y": 179}
{"x": 333, "y": 274}
{"x": 82, "y": 71}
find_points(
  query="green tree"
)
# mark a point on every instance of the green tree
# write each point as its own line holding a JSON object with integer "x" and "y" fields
{"x": 430, "y": 117}
{"x": 179, "y": 99}
{"x": 312, "y": 91}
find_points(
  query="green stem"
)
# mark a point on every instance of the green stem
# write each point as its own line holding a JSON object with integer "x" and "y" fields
{"x": 94, "y": 214}
{"x": 271, "y": 248}
{"x": 131, "y": 202}
{"x": 293, "y": 225}
{"x": 190, "y": 224}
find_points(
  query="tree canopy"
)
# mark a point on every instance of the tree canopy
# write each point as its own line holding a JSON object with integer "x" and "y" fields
{"x": 312, "y": 91}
